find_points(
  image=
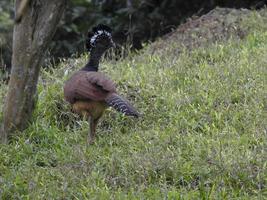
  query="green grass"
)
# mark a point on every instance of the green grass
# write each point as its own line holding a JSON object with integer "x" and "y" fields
{"x": 202, "y": 134}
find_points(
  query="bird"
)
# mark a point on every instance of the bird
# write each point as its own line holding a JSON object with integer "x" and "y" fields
{"x": 91, "y": 92}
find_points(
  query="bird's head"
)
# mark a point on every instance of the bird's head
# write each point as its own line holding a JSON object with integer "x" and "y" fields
{"x": 99, "y": 37}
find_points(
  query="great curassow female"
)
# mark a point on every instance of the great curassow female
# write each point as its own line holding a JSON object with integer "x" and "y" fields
{"x": 90, "y": 92}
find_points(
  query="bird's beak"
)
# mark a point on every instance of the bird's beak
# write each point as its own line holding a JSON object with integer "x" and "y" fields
{"x": 113, "y": 44}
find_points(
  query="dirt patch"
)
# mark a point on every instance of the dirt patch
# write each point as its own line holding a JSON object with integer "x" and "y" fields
{"x": 217, "y": 25}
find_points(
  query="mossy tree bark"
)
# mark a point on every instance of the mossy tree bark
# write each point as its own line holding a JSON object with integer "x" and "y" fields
{"x": 30, "y": 40}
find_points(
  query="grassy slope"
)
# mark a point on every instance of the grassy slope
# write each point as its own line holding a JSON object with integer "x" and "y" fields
{"x": 203, "y": 133}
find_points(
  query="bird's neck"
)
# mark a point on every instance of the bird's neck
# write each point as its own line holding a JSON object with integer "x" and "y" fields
{"x": 93, "y": 62}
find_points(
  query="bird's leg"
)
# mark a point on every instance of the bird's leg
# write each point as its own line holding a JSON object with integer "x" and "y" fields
{"x": 91, "y": 134}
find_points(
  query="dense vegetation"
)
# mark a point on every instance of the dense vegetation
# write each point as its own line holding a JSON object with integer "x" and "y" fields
{"x": 134, "y": 21}
{"x": 202, "y": 134}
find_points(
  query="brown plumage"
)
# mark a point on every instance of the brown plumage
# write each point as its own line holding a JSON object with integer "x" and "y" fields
{"x": 90, "y": 92}
{"x": 85, "y": 85}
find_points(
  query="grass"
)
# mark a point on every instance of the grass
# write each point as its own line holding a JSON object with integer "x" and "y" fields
{"x": 202, "y": 134}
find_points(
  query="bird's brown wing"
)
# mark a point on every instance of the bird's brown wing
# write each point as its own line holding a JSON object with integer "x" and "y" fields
{"x": 88, "y": 86}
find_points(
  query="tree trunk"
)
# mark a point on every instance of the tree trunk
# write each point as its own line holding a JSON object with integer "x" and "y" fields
{"x": 30, "y": 40}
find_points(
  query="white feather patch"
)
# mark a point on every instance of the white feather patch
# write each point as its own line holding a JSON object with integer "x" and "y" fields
{"x": 97, "y": 34}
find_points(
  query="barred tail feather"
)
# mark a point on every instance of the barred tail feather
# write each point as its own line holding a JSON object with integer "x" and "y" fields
{"x": 121, "y": 105}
